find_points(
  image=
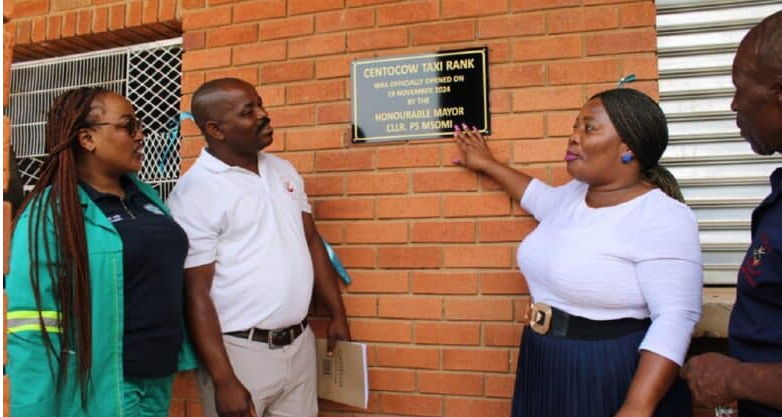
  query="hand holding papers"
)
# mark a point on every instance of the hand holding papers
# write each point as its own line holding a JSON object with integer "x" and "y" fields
{"x": 342, "y": 377}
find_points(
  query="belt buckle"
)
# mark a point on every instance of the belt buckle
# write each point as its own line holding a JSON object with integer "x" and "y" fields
{"x": 276, "y": 333}
{"x": 540, "y": 317}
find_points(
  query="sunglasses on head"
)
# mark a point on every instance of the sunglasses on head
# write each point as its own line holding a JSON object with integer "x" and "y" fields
{"x": 132, "y": 125}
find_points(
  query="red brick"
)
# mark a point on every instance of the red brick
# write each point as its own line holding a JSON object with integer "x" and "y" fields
{"x": 317, "y": 138}
{"x": 208, "y": 18}
{"x": 232, "y": 35}
{"x": 461, "y": 180}
{"x": 272, "y": 96}
{"x": 521, "y": 309}
{"x": 502, "y": 334}
{"x": 84, "y": 22}
{"x": 500, "y": 385}
{"x": 511, "y": 26}
{"x": 194, "y": 40}
{"x": 356, "y": 257}
{"x": 191, "y": 147}
{"x": 409, "y": 257}
{"x": 640, "y": 14}
{"x": 408, "y": 12}
{"x": 408, "y": 207}
{"x": 469, "y": 407}
{"x": 476, "y": 360}
{"x": 28, "y": 8}
{"x": 133, "y": 17}
{"x": 439, "y": 333}
{"x": 149, "y": 14}
{"x": 192, "y": 4}
{"x": 509, "y": 283}
{"x": 444, "y": 283}
{"x": 360, "y": 305}
{"x": 302, "y": 161}
{"x": 287, "y": 71}
{"x": 344, "y": 160}
{"x": 499, "y": 102}
{"x": 54, "y": 27}
{"x": 442, "y": 33}
{"x": 450, "y": 383}
{"x": 358, "y": 3}
{"x": 310, "y": 6}
{"x": 582, "y": 19}
{"x": 287, "y": 28}
{"x": 290, "y": 116}
{"x": 376, "y": 232}
{"x": 583, "y": 71}
{"x": 259, "y": 52}
{"x": 258, "y": 10}
{"x": 548, "y": 98}
{"x": 249, "y": 74}
{"x": 333, "y": 113}
{"x": 332, "y": 232}
{"x": 494, "y": 204}
{"x": 478, "y": 257}
{"x": 317, "y": 45}
{"x": 517, "y": 126}
{"x": 513, "y": 230}
{"x": 499, "y": 52}
{"x": 379, "y": 183}
{"x": 413, "y": 405}
{"x": 621, "y": 42}
{"x": 348, "y": 208}
{"x": 117, "y": 17}
{"x": 561, "y": 124}
{"x": 379, "y": 281}
{"x": 332, "y": 67}
{"x": 344, "y": 20}
{"x": 316, "y": 92}
{"x": 22, "y": 34}
{"x": 443, "y": 232}
{"x": 408, "y": 156}
{"x": 469, "y": 8}
{"x": 543, "y": 150}
{"x": 391, "y": 380}
{"x": 377, "y": 39}
{"x": 484, "y": 308}
{"x": 206, "y": 58}
{"x": 380, "y": 330}
{"x": 644, "y": 67}
{"x": 38, "y": 33}
{"x": 168, "y": 10}
{"x": 411, "y": 307}
{"x": 517, "y": 75}
{"x": 549, "y": 47}
{"x": 517, "y": 5}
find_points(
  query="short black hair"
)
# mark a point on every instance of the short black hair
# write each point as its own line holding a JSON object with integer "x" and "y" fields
{"x": 202, "y": 105}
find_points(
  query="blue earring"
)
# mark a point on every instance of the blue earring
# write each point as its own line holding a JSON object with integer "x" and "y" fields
{"x": 626, "y": 158}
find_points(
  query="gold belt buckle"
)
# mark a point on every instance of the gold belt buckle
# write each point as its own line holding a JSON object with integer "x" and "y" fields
{"x": 540, "y": 317}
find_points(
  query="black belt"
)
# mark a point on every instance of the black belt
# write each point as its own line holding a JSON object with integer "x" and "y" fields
{"x": 276, "y": 338}
{"x": 551, "y": 321}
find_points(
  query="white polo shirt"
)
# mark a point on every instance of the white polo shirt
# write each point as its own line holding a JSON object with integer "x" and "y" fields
{"x": 251, "y": 227}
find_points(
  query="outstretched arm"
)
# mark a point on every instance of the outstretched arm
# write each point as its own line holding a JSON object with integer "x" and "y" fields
{"x": 476, "y": 155}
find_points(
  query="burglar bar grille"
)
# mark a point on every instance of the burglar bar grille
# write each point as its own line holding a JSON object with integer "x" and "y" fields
{"x": 149, "y": 75}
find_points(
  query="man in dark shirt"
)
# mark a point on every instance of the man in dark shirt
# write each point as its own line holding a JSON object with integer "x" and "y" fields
{"x": 753, "y": 375}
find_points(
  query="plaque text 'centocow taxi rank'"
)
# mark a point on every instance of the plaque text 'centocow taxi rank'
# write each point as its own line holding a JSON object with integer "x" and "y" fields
{"x": 419, "y": 96}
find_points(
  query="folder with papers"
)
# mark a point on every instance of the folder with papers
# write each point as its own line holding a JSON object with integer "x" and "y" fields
{"x": 342, "y": 377}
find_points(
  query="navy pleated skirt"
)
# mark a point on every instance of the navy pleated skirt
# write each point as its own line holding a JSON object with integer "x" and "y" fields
{"x": 559, "y": 377}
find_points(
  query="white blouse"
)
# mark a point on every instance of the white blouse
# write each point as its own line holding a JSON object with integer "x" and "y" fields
{"x": 637, "y": 259}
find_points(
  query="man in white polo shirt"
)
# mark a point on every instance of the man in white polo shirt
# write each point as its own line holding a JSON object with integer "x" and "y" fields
{"x": 254, "y": 258}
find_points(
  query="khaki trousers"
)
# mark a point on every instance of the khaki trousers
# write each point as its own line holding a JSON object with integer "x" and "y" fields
{"x": 282, "y": 382}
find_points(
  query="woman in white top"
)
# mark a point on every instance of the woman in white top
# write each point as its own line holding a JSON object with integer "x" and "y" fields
{"x": 614, "y": 268}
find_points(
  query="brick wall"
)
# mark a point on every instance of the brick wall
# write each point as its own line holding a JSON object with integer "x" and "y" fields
{"x": 430, "y": 246}
{"x": 8, "y": 43}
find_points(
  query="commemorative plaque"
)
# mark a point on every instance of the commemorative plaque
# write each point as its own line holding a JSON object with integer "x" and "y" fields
{"x": 419, "y": 96}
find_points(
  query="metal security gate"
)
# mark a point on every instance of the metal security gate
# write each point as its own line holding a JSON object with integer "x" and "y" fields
{"x": 149, "y": 75}
{"x": 721, "y": 177}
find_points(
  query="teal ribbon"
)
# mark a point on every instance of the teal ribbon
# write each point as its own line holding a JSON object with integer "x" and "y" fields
{"x": 336, "y": 263}
{"x": 626, "y": 79}
{"x": 172, "y": 134}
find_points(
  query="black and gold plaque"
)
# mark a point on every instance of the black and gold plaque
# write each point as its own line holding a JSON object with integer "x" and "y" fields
{"x": 419, "y": 96}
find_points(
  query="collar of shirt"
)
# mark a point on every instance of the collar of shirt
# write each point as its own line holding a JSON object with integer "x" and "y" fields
{"x": 213, "y": 164}
{"x": 127, "y": 184}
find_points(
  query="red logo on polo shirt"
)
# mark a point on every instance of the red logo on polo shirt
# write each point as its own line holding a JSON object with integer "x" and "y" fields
{"x": 289, "y": 187}
{"x": 750, "y": 269}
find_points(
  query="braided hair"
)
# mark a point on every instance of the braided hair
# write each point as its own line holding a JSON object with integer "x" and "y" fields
{"x": 55, "y": 210}
{"x": 641, "y": 124}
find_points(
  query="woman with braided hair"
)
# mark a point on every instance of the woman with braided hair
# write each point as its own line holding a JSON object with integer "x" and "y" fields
{"x": 95, "y": 315}
{"x": 614, "y": 268}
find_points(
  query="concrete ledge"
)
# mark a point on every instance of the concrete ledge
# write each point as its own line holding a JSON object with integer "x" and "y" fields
{"x": 717, "y": 305}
